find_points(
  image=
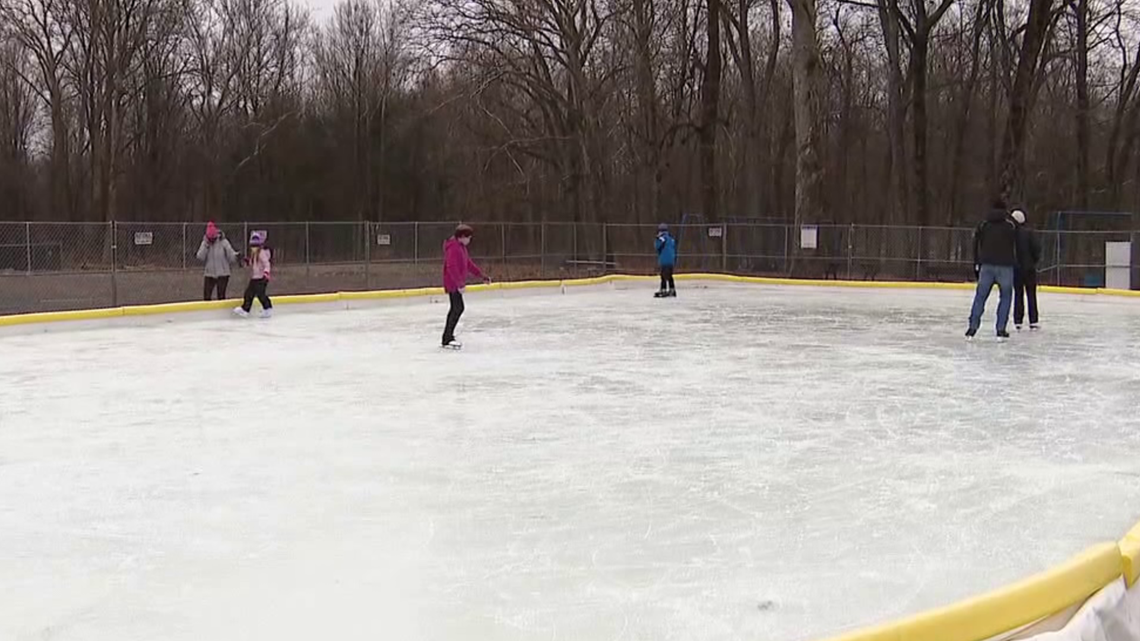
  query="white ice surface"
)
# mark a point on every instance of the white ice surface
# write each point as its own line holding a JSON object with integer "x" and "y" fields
{"x": 738, "y": 463}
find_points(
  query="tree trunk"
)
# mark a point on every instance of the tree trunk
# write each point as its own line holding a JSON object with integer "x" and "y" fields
{"x": 807, "y": 75}
{"x": 962, "y": 118}
{"x": 1082, "y": 81}
{"x": 919, "y": 54}
{"x": 898, "y": 184}
{"x": 710, "y": 101}
{"x": 1021, "y": 100}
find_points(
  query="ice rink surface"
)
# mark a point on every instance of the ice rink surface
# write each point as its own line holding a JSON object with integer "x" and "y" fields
{"x": 738, "y": 463}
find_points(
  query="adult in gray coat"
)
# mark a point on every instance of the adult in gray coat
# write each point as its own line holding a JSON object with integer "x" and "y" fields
{"x": 218, "y": 254}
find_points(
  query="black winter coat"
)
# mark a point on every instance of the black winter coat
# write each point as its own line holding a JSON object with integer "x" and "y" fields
{"x": 995, "y": 241}
{"x": 1028, "y": 249}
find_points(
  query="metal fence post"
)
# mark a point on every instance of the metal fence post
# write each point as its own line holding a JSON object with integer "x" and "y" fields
{"x": 367, "y": 254}
{"x": 307, "y": 249}
{"x": 605, "y": 248}
{"x": 724, "y": 248}
{"x": 1131, "y": 260}
{"x": 503, "y": 239}
{"x": 184, "y": 246}
{"x": 918, "y": 265}
{"x": 28, "y": 244}
{"x": 542, "y": 249}
{"x": 113, "y": 228}
{"x": 1057, "y": 258}
{"x": 787, "y": 243}
{"x": 574, "y": 241}
{"x": 416, "y": 242}
{"x": 850, "y": 250}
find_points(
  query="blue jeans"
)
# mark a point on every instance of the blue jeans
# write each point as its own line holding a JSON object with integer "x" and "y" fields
{"x": 987, "y": 277}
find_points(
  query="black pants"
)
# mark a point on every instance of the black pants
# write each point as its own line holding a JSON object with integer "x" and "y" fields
{"x": 221, "y": 282}
{"x": 256, "y": 289}
{"x": 1024, "y": 289}
{"x": 453, "y": 315}
{"x": 667, "y": 278}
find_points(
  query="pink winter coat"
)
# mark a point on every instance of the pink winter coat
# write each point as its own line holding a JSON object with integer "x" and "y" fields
{"x": 260, "y": 266}
{"x": 457, "y": 264}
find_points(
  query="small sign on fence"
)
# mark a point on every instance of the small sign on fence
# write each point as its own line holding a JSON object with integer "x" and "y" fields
{"x": 384, "y": 239}
{"x": 144, "y": 238}
{"x": 716, "y": 232}
{"x": 809, "y": 237}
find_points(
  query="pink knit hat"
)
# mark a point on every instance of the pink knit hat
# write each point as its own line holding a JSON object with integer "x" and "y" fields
{"x": 211, "y": 230}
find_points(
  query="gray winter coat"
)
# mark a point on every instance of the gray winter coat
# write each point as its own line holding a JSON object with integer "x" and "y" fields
{"x": 218, "y": 255}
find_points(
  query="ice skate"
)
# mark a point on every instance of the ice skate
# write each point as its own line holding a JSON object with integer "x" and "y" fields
{"x": 1034, "y": 327}
{"x": 267, "y": 313}
{"x": 970, "y": 334}
{"x": 1017, "y": 327}
{"x": 660, "y": 294}
{"x": 1002, "y": 334}
{"x": 241, "y": 313}
{"x": 672, "y": 293}
{"x": 453, "y": 344}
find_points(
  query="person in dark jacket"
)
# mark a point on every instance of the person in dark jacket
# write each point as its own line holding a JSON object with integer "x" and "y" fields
{"x": 995, "y": 257}
{"x": 666, "y": 247}
{"x": 1025, "y": 278}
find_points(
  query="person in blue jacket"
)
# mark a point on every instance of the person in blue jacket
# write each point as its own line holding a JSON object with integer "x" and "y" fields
{"x": 666, "y": 260}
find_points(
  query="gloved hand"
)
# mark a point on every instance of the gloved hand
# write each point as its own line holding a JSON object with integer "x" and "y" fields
{"x": 977, "y": 272}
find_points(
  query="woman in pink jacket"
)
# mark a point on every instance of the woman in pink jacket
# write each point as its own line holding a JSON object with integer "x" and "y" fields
{"x": 457, "y": 264}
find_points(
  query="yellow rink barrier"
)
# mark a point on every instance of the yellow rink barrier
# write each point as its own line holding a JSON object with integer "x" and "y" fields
{"x": 334, "y": 297}
{"x": 974, "y": 619}
{"x": 1130, "y": 553}
{"x": 1009, "y": 608}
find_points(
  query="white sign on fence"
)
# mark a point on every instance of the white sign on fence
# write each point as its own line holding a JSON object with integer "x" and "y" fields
{"x": 809, "y": 237}
{"x": 144, "y": 238}
{"x": 1118, "y": 265}
{"x": 384, "y": 239}
{"x": 716, "y": 232}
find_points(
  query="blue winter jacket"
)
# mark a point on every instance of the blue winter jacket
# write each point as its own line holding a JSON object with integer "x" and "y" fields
{"x": 666, "y": 250}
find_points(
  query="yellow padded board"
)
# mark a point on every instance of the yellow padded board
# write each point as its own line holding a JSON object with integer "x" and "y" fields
{"x": 145, "y": 310}
{"x": 1130, "y": 555}
{"x": 1007, "y": 608}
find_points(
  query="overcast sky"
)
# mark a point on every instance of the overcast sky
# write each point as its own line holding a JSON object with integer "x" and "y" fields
{"x": 322, "y": 9}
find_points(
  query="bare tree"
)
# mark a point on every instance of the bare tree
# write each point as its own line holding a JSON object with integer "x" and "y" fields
{"x": 755, "y": 91}
{"x": 1025, "y": 79}
{"x": 710, "y": 110}
{"x": 544, "y": 50}
{"x": 17, "y": 111}
{"x": 808, "y": 69}
{"x": 359, "y": 60}
{"x": 42, "y": 30}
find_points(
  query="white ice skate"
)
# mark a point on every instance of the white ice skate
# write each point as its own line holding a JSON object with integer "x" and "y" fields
{"x": 241, "y": 312}
{"x": 267, "y": 313}
{"x": 455, "y": 345}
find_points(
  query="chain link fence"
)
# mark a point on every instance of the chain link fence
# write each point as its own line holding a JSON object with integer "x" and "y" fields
{"x": 61, "y": 266}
